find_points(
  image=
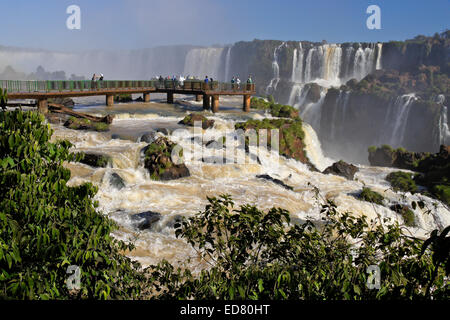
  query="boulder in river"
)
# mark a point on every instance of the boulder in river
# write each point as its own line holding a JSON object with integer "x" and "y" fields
{"x": 190, "y": 120}
{"x": 96, "y": 160}
{"x": 343, "y": 169}
{"x": 145, "y": 220}
{"x": 116, "y": 181}
{"x": 274, "y": 180}
{"x": 158, "y": 161}
{"x": 149, "y": 137}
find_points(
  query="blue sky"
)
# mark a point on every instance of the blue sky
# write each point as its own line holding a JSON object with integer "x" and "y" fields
{"x": 132, "y": 24}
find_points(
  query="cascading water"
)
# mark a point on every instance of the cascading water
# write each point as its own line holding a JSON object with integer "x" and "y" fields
{"x": 203, "y": 62}
{"x": 396, "y": 120}
{"x": 185, "y": 197}
{"x": 228, "y": 64}
{"x": 276, "y": 71}
{"x": 444, "y": 130}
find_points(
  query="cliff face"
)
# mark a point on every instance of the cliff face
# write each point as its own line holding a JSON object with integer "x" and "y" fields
{"x": 365, "y": 119}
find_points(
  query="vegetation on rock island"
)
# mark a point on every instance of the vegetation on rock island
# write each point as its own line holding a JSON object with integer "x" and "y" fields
{"x": 85, "y": 124}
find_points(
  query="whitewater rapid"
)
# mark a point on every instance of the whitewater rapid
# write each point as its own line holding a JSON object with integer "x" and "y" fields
{"x": 187, "y": 196}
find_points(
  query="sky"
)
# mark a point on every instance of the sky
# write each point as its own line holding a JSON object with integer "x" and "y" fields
{"x": 135, "y": 24}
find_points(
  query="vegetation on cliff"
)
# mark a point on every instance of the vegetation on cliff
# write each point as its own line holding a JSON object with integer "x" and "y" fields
{"x": 291, "y": 135}
{"x": 434, "y": 170}
{"x": 275, "y": 109}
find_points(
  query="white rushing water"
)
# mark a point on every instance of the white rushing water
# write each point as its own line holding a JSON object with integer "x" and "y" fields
{"x": 185, "y": 197}
{"x": 228, "y": 64}
{"x": 396, "y": 120}
{"x": 444, "y": 130}
{"x": 272, "y": 86}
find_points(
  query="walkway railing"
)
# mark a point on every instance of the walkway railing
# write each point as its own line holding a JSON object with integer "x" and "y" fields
{"x": 31, "y": 86}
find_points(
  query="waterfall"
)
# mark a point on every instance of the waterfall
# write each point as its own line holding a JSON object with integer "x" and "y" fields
{"x": 203, "y": 62}
{"x": 340, "y": 109}
{"x": 276, "y": 71}
{"x": 396, "y": 120}
{"x": 313, "y": 149}
{"x": 444, "y": 130}
{"x": 379, "y": 53}
{"x": 228, "y": 64}
{"x": 312, "y": 112}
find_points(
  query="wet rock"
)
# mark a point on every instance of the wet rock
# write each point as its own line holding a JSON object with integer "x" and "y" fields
{"x": 96, "y": 160}
{"x": 149, "y": 137}
{"x": 274, "y": 180}
{"x": 164, "y": 131}
{"x": 190, "y": 120}
{"x": 145, "y": 220}
{"x": 67, "y": 102}
{"x": 159, "y": 163}
{"x": 386, "y": 156}
{"x": 176, "y": 219}
{"x": 343, "y": 169}
{"x": 116, "y": 181}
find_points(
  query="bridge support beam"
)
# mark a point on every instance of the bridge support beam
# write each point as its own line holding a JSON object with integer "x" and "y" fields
{"x": 206, "y": 102}
{"x": 170, "y": 97}
{"x": 198, "y": 97}
{"x": 246, "y": 104}
{"x": 146, "y": 97}
{"x": 215, "y": 103}
{"x": 43, "y": 106}
{"x": 109, "y": 100}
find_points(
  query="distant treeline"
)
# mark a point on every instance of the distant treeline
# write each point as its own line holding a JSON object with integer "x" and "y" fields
{"x": 40, "y": 74}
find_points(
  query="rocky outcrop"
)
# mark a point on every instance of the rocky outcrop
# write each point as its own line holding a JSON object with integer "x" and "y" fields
{"x": 274, "y": 180}
{"x": 149, "y": 137}
{"x": 116, "y": 181}
{"x": 385, "y": 156}
{"x": 145, "y": 220}
{"x": 434, "y": 170}
{"x": 343, "y": 169}
{"x": 97, "y": 160}
{"x": 158, "y": 161}
{"x": 67, "y": 102}
{"x": 291, "y": 135}
{"x": 190, "y": 120}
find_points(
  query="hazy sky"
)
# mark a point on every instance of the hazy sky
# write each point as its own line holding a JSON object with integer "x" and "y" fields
{"x": 132, "y": 24}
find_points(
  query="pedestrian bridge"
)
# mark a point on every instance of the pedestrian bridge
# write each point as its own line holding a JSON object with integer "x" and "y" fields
{"x": 210, "y": 92}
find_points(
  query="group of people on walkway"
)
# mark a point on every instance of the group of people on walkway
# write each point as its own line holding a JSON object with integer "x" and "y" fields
{"x": 96, "y": 77}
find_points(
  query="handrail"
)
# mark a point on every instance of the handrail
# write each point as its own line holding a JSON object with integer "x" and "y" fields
{"x": 45, "y": 86}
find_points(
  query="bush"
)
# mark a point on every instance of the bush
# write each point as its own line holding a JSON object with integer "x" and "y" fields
{"x": 371, "y": 196}
{"x": 259, "y": 255}
{"x": 46, "y": 226}
{"x": 402, "y": 181}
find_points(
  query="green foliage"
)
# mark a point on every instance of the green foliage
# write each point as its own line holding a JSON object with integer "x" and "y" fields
{"x": 275, "y": 109}
{"x": 291, "y": 134}
{"x": 253, "y": 254}
{"x": 3, "y": 98}
{"x": 45, "y": 226}
{"x": 408, "y": 217}
{"x": 442, "y": 192}
{"x": 371, "y": 196}
{"x": 402, "y": 181}
{"x": 372, "y": 149}
{"x": 101, "y": 126}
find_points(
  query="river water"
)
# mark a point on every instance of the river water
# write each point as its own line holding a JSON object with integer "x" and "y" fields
{"x": 187, "y": 196}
